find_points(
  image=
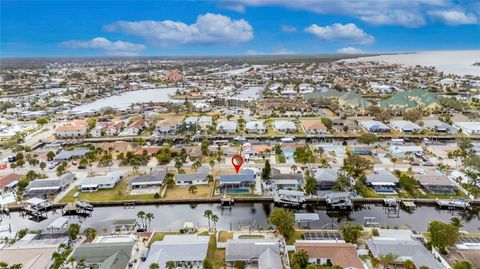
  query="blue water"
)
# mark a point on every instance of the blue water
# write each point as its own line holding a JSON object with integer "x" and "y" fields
{"x": 288, "y": 153}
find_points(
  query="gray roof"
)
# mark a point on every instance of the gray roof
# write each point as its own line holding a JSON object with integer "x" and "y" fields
{"x": 382, "y": 176}
{"x": 270, "y": 260}
{"x": 408, "y": 249}
{"x": 325, "y": 174}
{"x": 46, "y": 183}
{"x": 237, "y": 178}
{"x": 297, "y": 176}
{"x": 177, "y": 248}
{"x": 67, "y": 154}
{"x": 249, "y": 249}
{"x": 119, "y": 260}
{"x": 190, "y": 177}
{"x": 97, "y": 253}
{"x": 158, "y": 176}
{"x": 227, "y": 125}
{"x": 284, "y": 125}
{"x": 405, "y": 125}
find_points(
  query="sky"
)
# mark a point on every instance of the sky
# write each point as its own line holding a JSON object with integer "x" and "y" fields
{"x": 45, "y": 28}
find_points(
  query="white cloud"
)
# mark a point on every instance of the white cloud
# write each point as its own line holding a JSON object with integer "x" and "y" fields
{"x": 408, "y": 13}
{"x": 288, "y": 29}
{"x": 348, "y": 33}
{"x": 235, "y": 7}
{"x": 113, "y": 48}
{"x": 207, "y": 29}
{"x": 282, "y": 51}
{"x": 350, "y": 50}
{"x": 454, "y": 17}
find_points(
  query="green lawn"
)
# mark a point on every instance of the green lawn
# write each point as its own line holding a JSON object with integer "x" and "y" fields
{"x": 158, "y": 236}
{"x": 297, "y": 235}
{"x": 215, "y": 256}
{"x": 118, "y": 193}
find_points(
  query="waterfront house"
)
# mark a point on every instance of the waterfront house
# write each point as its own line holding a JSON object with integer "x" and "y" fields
{"x": 135, "y": 128}
{"x": 9, "y": 182}
{"x": 314, "y": 126}
{"x": 191, "y": 179}
{"x": 405, "y": 126}
{"x": 255, "y": 126}
{"x": 467, "y": 248}
{"x": 109, "y": 255}
{"x": 95, "y": 183}
{"x": 167, "y": 126}
{"x": 185, "y": 251}
{"x": 362, "y": 150}
{"x": 68, "y": 155}
{"x": 115, "y": 129}
{"x": 284, "y": 126}
{"x": 229, "y": 127}
{"x": 258, "y": 252}
{"x": 31, "y": 251}
{"x": 97, "y": 131}
{"x": 237, "y": 183}
{"x": 286, "y": 181}
{"x": 439, "y": 126}
{"x": 331, "y": 253}
{"x": 382, "y": 182}
{"x": 43, "y": 188}
{"x": 373, "y": 126}
{"x": 437, "y": 183}
{"x": 154, "y": 179}
{"x": 404, "y": 244}
{"x": 468, "y": 127}
{"x": 205, "y": 122}
{"x": 190, "y": 122}
{"x": 325, "y": 178}
{"x": 402, "y": 151}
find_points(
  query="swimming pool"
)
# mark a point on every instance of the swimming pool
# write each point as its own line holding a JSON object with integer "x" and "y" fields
{"x": 7, "y": 198}
{"x": 288, "y": 153}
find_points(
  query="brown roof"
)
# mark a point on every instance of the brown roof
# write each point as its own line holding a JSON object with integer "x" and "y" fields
{"x": 342, "y": 254}
{"x": 313, "y": 124}
{"x": 5, "y": 180}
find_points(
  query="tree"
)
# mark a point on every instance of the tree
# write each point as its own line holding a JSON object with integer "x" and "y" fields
{"x": 412, "y": 115}
{"x": 465, "y": 145}
{"x": 149, "y": 216}
{"x": 50, "y": 155}
{"x": 367, "y": 138}
{"x": 169, "y": 180}
{"x": 156, "y": 266}
{"x": 73, "y": 230}
{"x": 90, "y": 233}
{"x": 212, "y": 163}
{"x": 196, "y": 165}
{"x": 310, "y": 185}
{"x": 442, "y": 234}
{"x": 462, "y": 265}
{"x": 204, "y": 147}
{"x": 351, "y": 232}
{"x": 294, "y": 168}
{"x": 214, "y": 219}
{"x": 192, "y": 189}
{"x": 408, "y": 264}
{"x": 239, "y": 265}
{"x": 304, "y": 155}
{"x": 387, "y": 259}
{"x": 456, "y": 222}
{"x": 207, "y": 265}
{"x": 208, "y": 214}
{"x": 266, "y": 171}
{"x": 300, "y": 259}
{"x": 356, "y": 165}
{"x": 283, "y": 220}
{"x": 41, "y": 121}
{"x": 141, "y": 214}
{"x": 42, "y": 166}
{"x": 170, "y": 265}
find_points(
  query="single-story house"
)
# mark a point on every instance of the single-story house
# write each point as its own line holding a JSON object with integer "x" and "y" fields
{"x": 205, "y": 122}
{"x": 190, "y": 121}
{"x": 9, "y": 182}
{"x": 255, "y": 126}
{"x": 373, "y": 126}
{"x": 326, "y": 178}
{"x": 436, "y": 183}
{"x": 405, "y": 126}
{"x": 326, "y": 253}
{"x": 382, "y": 181}
{"x": 237, "y": 183}
{"x": 68, "y": 155}
{"x": 314, "y": 126}
{"x": 401, "y": 151}
{"x": 286, "y": 181}
{"x": 250, "y": 251}
{"x": 438, "y": 126}
{"x": 191, "y": 179}
{"x": 468, "y": 127}
{"x": 108, "y": 181}
{"x": 153, "y": 179}
{"x": 362, "y": 150}
{"x": 43, "y": 188}
{"x": 402, "y": 243}
{"x": 105, "y": 255}
{"x": 229, "y": 127}
{"x": 284, "y": 126}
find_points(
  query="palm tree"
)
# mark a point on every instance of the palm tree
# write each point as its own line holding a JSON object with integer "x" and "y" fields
{"x": 294, "y": 168}
{"x": 386, "y": 259}
{"x": 149, "y": 216}
{"x": 196, "y": 165}
{"x": 169, "y": 265}
{"x": 212, "y": 163}
{"x": 214, "y": 220}
{"x": 71, "y": 260}
{"x": 90, "y": 233}
{"x": 154, "y": 266}
{"x": 192, "y": 189}
{"x": 408, "y": 264}
{"x": 141, "y": 215}
{"x": 208, "y": 214}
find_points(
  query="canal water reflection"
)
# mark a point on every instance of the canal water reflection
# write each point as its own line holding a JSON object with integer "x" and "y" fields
{"x": 172, "y": 217}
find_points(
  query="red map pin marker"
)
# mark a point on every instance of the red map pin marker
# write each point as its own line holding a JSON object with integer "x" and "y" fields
{"x": 237, "y": 161}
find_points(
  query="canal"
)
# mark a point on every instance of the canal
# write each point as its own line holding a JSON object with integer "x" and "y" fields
{"x": 172, "y": 217}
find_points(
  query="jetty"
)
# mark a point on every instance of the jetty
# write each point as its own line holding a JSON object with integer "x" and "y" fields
{"x": 339, "y": 201}
{"x": 453, "y": 204}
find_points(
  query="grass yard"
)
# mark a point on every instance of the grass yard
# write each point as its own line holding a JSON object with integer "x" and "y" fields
{"x": 297, "y": 235}
{"x": 223, "y": 236}
{"x": 158, "y": 236}
{"x": 177, "y": 192}
{"x": 118, "y": 193}
{"x": 215, "y": 256}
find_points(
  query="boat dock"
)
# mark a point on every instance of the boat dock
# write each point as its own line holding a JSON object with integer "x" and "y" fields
{"x": 453, "y": 204}
{"x": 77, "y": 208}
{"x": 289, "y": 198}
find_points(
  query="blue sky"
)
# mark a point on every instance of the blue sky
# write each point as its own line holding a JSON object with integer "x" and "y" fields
{"x": 235, "y": 27}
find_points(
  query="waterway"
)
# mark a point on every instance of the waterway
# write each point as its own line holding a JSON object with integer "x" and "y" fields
{"x": 172, "y": 217}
